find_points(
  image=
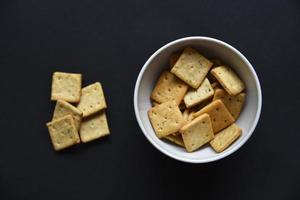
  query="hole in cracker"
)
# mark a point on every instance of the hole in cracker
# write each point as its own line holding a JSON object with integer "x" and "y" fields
{"x": 192, "y": 66}
{"x": 229, "y": 98}
{"x": 169, "y": 89}
{"x": 214, "y": 119}
{"x": 203, "y": 122}
{"x": 179, "y": 86}
{"x": 166, "y": 78}
{"x": 225, "y": 120}
{"x": 217, "y": 109}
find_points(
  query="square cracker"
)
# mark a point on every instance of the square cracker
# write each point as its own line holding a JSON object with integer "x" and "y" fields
{"x": 63, "y": 132}
{"x": 63, "y": 108}
{"x": 228, "y": 79}
{"x": 197, "y": 133}
{"x": 219, "y": 115}
{"x": 169, "y": 87}
{"x": 175, "y": 138}
{"x": 94, "y": 127}
{"x": 234, "y": 104}
{"x": 225, "y": 138}
{"x": 191, "y": 67}
{"x": 165, "y": 118}
{"x": 66, "y": 86}
{"x": 197, "y": 96}
{"x": 92, "y": 99}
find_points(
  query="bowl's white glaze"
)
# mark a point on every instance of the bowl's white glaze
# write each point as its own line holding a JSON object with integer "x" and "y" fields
{"x": 211, "y": 48}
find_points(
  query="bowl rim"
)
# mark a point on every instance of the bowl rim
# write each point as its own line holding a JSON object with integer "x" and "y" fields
{"x": 206, "y": 160}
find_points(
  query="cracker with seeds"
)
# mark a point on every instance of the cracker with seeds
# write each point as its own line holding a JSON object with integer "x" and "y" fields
{"x": 168, "y": 88}
{"x": 197, "y": 133}
{"x": 194, "y": 97}
{"x": 63, "y": 132}
{"x": 92, "y": 99}
{"x": 228, "y": 79}
{"x": 234, "y": 104}
{"x": 225, "y": 138}
{"x": 220, "y": 116}
{"x": 165, "y": 118}
{"x": 94, "y": 127}
{"x": 192, "y": 67}
{"x": 66, "y": 86}
{"x": 176, "y": 139}
{"x": 63, "y": 108}
{"x": 173, "y": 59}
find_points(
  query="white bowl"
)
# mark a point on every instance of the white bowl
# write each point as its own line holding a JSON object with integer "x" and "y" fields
{"x": 212, "y": 48}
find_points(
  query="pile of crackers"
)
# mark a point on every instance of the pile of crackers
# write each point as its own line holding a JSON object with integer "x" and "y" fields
{"x": 79, "y": 114}
{"x": 196, "y": 102}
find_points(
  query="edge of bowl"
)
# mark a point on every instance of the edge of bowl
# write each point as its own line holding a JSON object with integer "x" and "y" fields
{"x": 227, "y": 153}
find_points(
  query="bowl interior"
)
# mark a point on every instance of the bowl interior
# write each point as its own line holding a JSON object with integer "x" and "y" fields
{"x": 211, "y": 48}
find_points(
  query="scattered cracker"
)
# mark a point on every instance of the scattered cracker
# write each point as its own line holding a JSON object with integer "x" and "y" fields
{"x": 197, "y": 133}
{"x": 194, "y": 97}
{"x": 191, "y": 67}
{"x": 63, "y": 108}
{"x": 92, "y": 99}
{"x": 66, "y": 86}
{"x": 168, "y": 88}
{"x": 165, "y": 118}
{"x": 234, "y": 104}
{"x": 220, "y": 116}
{"x": 63, "y": 132}
{"x": 94, "y": 127}
{"x": 225, "y": 138}
{"x": 176, "y": 139}
{"x": 228, "y": 79}
{"x": 185, "y": 114}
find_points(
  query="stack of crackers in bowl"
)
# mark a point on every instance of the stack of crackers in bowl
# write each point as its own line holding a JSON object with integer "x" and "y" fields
{"x": 79, "y": 114}
{"x": 196, "y": 102}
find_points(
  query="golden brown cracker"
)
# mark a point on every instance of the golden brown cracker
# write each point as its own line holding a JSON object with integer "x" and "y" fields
{"x": 228, "y": 79}
{"x": 225, "y": 138}
{"x": 63, "y": 132}
{"x": 92, "y": 99}
{"x": 165, "y": 118}
{"x": 197, "y": 133}
{"x": 192, "y": 67}
{"x": 66, "y": 86}
{"x": 169, "y": 87}
{"x": 234, "y": 104}
{"x": 220, "y": 116}
{"x": 176, "y": 139}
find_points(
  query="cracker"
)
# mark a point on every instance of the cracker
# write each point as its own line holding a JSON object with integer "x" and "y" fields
{"x": 66, "y": 86}
{"x": 225, "y": 138}
{"x": 92, "y": 99}
{"x": 234, "y": 104}
{"x": 191, "y": 67}
{"x": 215, "y": 85}
{"x": 63, "y": 132}
{"x": 94, "y": 127}
{"x": 169, "y": 87}
{"x": 63, "y": 108}
{"x": 197, "y": 133}
{"x": 194, "y": 97}
{"x": 228, "y": 79}
{"x": 175, "y": 138}
{"x": 165, "y": 118}
{"x": 154, "y": 103}
{"x": 185, "y": 114}
{"x": 220, "y": 116}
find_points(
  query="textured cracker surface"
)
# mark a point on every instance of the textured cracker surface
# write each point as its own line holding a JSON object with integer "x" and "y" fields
{"x": 234, "y": 104}
{"x": 197, "y": 133}
{"x": 63, "y": 108}
{"x": 191, "y": 67}
{"x": 219, "y": 115}
{"x": 66, "y": 86}
{"x": 94, "y": 127}
{"x": 92, "y": 99}
{"x": 165, "y": 118}
{"x": 228, "y": 79}
{"x": 225, "y": 138}
{"x": 194, "y": 97}
{"x": 176, "y": 139}
{"x": 169, "y": 87}
{"x": 63, "y": 132}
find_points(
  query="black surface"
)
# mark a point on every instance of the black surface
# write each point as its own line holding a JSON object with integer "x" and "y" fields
{"x": 109, "y": 41}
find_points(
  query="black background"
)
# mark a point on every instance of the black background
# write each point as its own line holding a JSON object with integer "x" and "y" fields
{"x": 109, "y": 41}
